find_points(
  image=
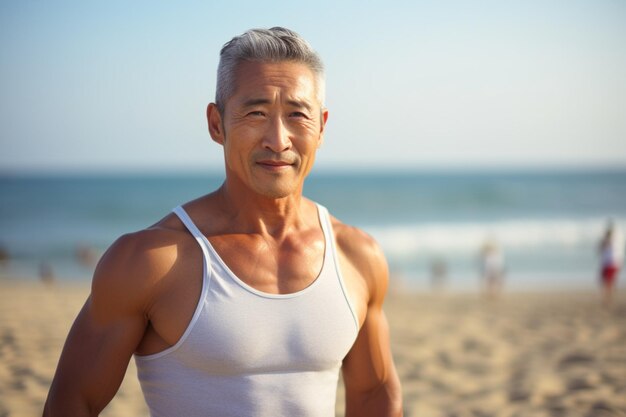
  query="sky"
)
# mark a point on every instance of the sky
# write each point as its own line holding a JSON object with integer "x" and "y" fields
{"x": 122, "y": 86}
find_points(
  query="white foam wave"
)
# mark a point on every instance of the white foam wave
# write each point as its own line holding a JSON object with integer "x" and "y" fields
{"x": 407, "y": 240}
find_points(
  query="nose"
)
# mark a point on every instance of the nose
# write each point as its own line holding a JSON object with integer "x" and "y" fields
{"x": 277, "y": 138}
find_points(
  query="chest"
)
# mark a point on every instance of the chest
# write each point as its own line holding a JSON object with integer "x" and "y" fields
{"x": 242, "y": 331}
{"x": 300, "y": 324}
{"x": 269, "y": 266}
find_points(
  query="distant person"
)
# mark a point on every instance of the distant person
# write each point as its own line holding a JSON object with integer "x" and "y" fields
{"x": 438, "y": 274}
{"x": 86, "y": 255}
{"x": 46, "y": 273}
{"x": 492, "y": 268}
{"x": 249, "y": 300}
{"x": 611, "y": 260}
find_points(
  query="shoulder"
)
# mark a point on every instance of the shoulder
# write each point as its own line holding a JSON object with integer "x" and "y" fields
{"x": 136, "y": 263}
{"x": 365, "y": 255}
{"x": 355, "y": 243}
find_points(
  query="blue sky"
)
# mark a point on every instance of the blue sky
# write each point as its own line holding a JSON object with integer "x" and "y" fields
{"x": 123, "y": 86}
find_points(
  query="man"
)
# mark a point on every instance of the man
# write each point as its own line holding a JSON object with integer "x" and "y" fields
{"x": 247, "y": 301}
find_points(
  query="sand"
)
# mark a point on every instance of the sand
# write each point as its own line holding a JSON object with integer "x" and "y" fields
{"x": 523, "y": 355}
{"x": 554, "y": 354}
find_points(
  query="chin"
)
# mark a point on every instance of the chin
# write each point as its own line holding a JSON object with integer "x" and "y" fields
{"x": 276, "y": 193}
{"x": 276, "y": 190}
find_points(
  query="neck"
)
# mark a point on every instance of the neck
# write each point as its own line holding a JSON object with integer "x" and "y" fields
{"x": 254, "y": 213}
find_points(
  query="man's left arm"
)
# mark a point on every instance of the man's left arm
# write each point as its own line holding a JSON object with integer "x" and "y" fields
{"x": 370, "y": 377}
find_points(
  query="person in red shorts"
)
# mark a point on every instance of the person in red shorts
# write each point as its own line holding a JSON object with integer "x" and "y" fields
{"x": 611, "y": 258}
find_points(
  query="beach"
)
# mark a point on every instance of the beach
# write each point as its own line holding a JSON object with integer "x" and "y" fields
{"x": 458, "y": 354}
{"x": 526, "y": 354}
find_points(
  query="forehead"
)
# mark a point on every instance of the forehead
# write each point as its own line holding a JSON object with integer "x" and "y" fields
{"x": 274, "y": 80}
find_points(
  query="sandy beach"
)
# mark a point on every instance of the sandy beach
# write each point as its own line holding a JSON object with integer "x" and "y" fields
{"x": 526, "y": 354}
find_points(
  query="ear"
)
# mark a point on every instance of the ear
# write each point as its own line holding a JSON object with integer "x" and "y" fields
{"x": 323, "y": 121}
{"x": 214, "y": 119}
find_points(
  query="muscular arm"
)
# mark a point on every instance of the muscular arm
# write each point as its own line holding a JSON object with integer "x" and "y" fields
{"x": 370, "y": 377}
{"x": 102, "y": 339}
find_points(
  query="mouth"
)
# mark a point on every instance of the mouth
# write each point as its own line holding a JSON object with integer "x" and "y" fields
{"x": 273, "y": 164}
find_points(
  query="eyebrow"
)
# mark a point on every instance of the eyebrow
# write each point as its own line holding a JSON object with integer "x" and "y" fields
{"x": 255, "y": 102}
{"x": 295, "y": 103}
{"x": 300, "y": 104}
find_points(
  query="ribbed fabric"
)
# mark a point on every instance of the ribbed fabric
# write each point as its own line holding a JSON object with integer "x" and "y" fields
{"x": 247, "y": 353}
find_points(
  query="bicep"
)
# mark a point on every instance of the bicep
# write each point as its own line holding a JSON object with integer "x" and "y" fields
{"x": 370, "y": 378}
{"x": 94, "y": 359}
{"x": 369, "y": 363}
{"x": 102, "y": 339}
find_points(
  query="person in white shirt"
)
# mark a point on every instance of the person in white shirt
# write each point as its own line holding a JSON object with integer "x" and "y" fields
{"x": 611, "y": 260}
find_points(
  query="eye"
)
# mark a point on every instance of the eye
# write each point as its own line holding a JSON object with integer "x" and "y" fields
{"x": 256, "y": 113}
{"x": 298, "y": 114}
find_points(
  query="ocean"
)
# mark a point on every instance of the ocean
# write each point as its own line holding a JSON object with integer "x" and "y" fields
{"x": 547, "y": 224}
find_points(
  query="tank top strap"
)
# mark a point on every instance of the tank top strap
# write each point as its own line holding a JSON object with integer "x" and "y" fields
{"x": 189, "y": 224}
{"x": 197, "y": 234}
{"x": 331, "y": 259}
{"x": 184, "y": 217}
{"x": 324, "y": 219}
{"x": 330, "y": 253}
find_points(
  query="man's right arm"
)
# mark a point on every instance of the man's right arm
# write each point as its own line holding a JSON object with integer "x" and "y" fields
{"x": 105, "y": 334}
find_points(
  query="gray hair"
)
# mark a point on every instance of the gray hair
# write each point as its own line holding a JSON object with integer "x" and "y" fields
{"x": 266, "y": 45}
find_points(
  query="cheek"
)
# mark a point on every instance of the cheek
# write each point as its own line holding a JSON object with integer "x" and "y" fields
{"x": 308, "y": 151}
{"x": 241, "y": 138}
{"x": 309, "y": 135}
{"x": 236, "y": 151}
{"x": 315, "y": 140}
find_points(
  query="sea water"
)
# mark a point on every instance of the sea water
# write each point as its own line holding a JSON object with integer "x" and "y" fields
{"x": 547, "y": 224}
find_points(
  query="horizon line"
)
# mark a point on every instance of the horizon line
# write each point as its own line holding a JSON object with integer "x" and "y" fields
{"x": 320, "y": 171}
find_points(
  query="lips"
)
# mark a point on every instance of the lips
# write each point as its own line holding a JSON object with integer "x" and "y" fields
{"x": 274, "y": 163}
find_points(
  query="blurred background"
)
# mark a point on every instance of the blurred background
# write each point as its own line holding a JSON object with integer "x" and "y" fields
{"x": 454, "y": 127}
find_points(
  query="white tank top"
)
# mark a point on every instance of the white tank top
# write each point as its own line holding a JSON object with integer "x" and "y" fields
{"x": 247, "y": 353}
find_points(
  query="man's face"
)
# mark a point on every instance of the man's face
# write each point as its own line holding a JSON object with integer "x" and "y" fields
{"x": 271, "y": 127}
